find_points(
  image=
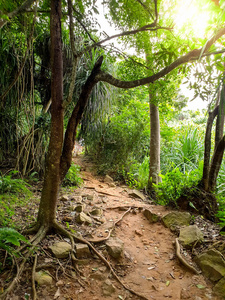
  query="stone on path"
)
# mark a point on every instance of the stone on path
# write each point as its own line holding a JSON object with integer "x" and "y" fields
{"x": 219, "y": 288}
{"x": 152, "y": 218}
{"x": 42, "y": 278}
{"x": 82, "y": 251}
{"x": 190, "y": 235}
{"x": 212, "y": 264}
{"x": 83, "y": 218}
{"x": 108, "y": 179}
{"x": 108, "y": 288}
{"x": 115, "y": 247}
{"x": 136, "y": 194}
{"x": 64, "y": 198}
{"x": 61, "y": 249}
{"x": 176, "y": 219}
{"x": 96, "y": 211}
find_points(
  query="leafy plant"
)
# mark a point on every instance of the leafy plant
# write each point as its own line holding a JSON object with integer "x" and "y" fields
{"x": 12, "y": 185}
{"x": 72, "y": 177}
{"x": 174, "y": 184}
{"x": 9, "y": 237}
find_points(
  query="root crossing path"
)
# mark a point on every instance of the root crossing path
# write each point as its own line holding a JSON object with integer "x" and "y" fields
{"x": 148, "y": 267}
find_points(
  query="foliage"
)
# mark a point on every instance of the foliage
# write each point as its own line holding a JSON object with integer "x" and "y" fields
{"x": 174, "y": 183}
{"x": 72, "y": 177}
{"x": 12, "y": 185}
{"x": 124, "y": 138}
{"x": 185, "y": 151}
{"x": 9, "y": 237}
{"x": 14, "y": 192}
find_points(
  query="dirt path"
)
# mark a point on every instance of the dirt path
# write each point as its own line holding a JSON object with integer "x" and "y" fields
{"x": 148, "y": 266}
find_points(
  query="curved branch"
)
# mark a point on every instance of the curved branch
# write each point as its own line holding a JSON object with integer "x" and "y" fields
{"x": 191, "y": 56}
{"x": 148, "y": 27}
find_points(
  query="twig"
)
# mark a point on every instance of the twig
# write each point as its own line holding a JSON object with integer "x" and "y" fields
{"x": 110, "y": 231}
{"x": 81, "y": 239}
{"x": 34, "y": 292}
{"x": 183, "y": 261}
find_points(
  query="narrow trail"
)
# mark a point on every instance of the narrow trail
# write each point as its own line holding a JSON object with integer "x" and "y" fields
{"x": 149, "y": 265}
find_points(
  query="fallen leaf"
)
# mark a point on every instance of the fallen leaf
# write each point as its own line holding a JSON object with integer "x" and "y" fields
{"x": 57, "y": 294}
{"x": 167, "y": 283}
{"x": 200, "y": 286}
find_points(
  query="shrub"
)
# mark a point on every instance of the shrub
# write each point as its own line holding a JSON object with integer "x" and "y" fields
{"x": 72, "y": 177}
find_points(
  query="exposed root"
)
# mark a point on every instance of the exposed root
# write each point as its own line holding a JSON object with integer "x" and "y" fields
{"x": 95, "y": 241}
{"x": 34, "y": 292}
{"x": 183, "y": 261}
{"x": 35, "y": 241}
{"x": 81, "y": 239}
{"x": 71, "y": 236}
{"x": 20, "y": 270}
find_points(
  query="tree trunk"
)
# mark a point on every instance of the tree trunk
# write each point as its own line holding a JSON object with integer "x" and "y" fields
{"x": 215, "y": 164}
{"x": 211, "y": 170}
{"x": 207, "y": 148}
{"x": 47, "y": 208}
{"x": 154, "y": 163}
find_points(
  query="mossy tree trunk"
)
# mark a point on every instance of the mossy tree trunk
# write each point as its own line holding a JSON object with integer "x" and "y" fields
{"x": 211, "y": 168}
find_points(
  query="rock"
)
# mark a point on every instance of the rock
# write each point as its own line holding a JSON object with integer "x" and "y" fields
{"x": 138, "y": 232}
{"x": 212, "y": 264}
{"x": 190, "y": 235}
{"x": 90, "y": 197}
{"x": 108, "y": 179}
{"x": 67, "y": 219}
{"x": 61, "y": 249}
{"x": 83, "y": 218}
{"x": 96, "y": 211}
{"x": 82, "y": 251}
{"x": 108, "y": 288}
{"x": 219, "y": 288}
{"x": 115, "y": 247}
{"x": 64, "y": 198}
{"x": 76, "y": 199}
{"x": 152, "y": 218}
{"x": 176, "y": 219}
{"x": 79, "y": 207}
{"x": 42, "y": 278}
{"x": 98, "y": 275}
{"x": 136, "y": 194}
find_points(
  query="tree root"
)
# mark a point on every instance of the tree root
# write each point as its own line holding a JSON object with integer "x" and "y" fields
{"x": 95, "y": 241}
{"x": 34, "y": 292}
{"x": 183, "y": 261}
{"x": 41, "y": 233}
{"x": 102, "y": 258}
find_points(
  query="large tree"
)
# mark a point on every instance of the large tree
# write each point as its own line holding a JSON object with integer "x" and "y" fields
{"x": 59, "y": 155}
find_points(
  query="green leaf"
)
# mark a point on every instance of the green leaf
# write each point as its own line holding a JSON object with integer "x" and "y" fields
{"x": 200, "y": 286}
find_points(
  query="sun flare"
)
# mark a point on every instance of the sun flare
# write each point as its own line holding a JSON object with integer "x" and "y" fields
{"x": 190, "y": 14}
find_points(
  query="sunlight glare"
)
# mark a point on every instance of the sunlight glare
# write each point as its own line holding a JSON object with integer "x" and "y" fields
{"x": 189, "y": 14}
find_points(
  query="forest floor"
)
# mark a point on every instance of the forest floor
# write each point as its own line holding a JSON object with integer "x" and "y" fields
{"x": 149, "y": 265}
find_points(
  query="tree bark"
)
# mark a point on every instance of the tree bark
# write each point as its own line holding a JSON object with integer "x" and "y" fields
{"x": 215, "y": 164}
{"x": 154, "y": 162}
{"x": 207, "y": 148}
{"x": 47, "y": 208}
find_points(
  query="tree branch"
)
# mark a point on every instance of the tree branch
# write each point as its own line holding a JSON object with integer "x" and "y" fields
{"x": 191, "y": 56}
{"x": 26, "y": 4}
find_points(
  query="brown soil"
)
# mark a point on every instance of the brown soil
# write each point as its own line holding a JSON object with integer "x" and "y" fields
{"x": 149, "y": 265}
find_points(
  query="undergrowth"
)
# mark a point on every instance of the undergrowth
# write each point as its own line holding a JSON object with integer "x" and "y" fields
{"x": 72, "y": 177}
{"x": 14, "y": 193}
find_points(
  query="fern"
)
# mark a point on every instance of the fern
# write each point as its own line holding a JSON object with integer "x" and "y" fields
{"x": 9, "y": 237}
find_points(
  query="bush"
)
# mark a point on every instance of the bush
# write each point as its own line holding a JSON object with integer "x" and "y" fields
{"x": 12, "y": 185}
{"x": 72, "y": 177}
{"x": 175, "y": 182}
